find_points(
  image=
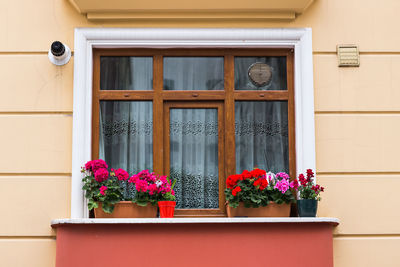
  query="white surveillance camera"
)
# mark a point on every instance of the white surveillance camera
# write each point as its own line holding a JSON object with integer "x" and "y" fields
{"x": 59, "y": 53}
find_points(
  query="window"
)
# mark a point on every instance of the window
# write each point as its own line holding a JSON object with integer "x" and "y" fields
{"x": 197, "y": 115}
{"x": 89, "y": 39}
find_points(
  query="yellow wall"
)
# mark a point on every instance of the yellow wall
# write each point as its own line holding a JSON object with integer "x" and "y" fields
{"x": 357, "y": 124}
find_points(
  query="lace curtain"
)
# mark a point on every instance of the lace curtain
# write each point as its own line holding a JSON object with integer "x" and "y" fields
{"x": 261, "y": 134}
{"x": 194, "y": 157}
{"x": 126, "y": 134}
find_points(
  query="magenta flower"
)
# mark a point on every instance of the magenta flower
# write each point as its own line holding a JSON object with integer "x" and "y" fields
{"x": 99, "y": 164}
{"x": 101, "y": 175}
{"x": 282, "y": 175}
{"x": 103, "y": 190}
{"x": 88, "y": 165}
{"x": 121, "y": 174}
{"x": 141, "y": 186}
{"x": 152, "y": 189}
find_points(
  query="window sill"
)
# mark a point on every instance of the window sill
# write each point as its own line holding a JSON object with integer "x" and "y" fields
{"x": 267, "y": 220}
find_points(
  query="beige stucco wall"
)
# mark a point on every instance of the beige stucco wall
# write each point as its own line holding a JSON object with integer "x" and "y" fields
{"x": 357, "y": 124}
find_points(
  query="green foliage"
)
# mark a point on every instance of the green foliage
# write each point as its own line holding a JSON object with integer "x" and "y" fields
{"x": 112, "y": 194}
{"x": 142, "y": 198}
{"x": 308, "y": 193}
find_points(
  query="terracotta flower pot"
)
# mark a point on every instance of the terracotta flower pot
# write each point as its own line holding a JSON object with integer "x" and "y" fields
{"x": 272, "y": 210}
{"x": 307, "y": 207}
{"x": 127, "y": 209}
{"x": 167, "y": 208}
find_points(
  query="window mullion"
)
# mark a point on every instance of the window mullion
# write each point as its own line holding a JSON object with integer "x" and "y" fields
{"x": 158, "y": 138}
{"x": 229, "y": 115}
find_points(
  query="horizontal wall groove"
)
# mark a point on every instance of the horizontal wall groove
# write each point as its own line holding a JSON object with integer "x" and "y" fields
{"x": 34, "y": 174}
{"x": 358, "y": 173}
{"x": 27, "y": 237}
{"x": 358, "y": 112}
{"x": 314, "y": 53}
{"x": 24, "y": 113}
{"x": 23, "y": 52}
{"x": 378, "y": 53}
{"x": 27, "y": 53}
{"x": 366, "y": 235}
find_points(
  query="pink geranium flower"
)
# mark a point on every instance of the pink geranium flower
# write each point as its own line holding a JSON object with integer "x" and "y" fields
{"x": 101, "y": 175}
{"x": 121, "y": 174}
{"x": 103, "y": 190}
{"x": 282, "y": 185}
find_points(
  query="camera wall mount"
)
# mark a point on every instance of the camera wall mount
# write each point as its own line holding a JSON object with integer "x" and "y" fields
{"x": 59, "y": 53}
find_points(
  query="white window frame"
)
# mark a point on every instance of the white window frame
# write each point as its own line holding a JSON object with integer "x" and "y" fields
{"x": 88, "y": 38}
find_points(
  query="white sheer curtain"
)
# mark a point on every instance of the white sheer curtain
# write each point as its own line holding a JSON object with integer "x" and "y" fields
{"x": 194, "y": 157}
{"x": 194, "y": 73}
{"x": 126, "y": 134}
{"x": 126, "y": 127}
{"x": 261, "y": 134}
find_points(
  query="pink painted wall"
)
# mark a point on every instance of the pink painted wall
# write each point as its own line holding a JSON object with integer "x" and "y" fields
{"x": 250, "y": 244}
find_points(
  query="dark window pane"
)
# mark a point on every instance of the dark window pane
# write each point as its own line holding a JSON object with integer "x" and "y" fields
{"x": 193, "y": 73}
{"x": 126, "y": 73}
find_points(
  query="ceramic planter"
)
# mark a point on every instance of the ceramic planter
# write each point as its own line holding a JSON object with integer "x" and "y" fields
{"x": 167, "y": 208}
{"x": 272, "y": 210}
{"x": 307, "y": 207}
{"x": 127, "y": 209}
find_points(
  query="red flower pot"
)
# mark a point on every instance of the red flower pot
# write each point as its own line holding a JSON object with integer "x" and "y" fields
{"x": 167, "y": 208}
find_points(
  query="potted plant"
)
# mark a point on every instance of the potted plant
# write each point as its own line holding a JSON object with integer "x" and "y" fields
{"x": 258, "y": 194}
{"x": 112, "y": 194}
{"x": 101, "y": 190}
{"x": 150, "y": 187}
{"x": 309, "y": 194}
{"x": 166, "y": 193}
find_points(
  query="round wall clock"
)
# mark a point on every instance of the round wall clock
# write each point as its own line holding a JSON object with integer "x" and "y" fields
{"x": 260, "y": 74}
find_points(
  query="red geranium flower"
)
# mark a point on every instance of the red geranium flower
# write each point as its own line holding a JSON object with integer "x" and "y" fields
{"x": 236, "y": 190}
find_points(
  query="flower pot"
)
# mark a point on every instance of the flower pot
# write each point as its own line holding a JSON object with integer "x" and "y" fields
{"x": 271, "y": 210}
{"x": 127, "y": 209}
{"x": 167, "y": 208}
{"x": 307, "y": 207}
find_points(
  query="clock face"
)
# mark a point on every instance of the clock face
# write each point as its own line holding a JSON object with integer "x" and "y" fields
{"x": 260, "y": 74}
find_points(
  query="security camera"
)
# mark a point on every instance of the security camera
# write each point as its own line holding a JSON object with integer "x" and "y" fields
{"x": 59, "y": 53}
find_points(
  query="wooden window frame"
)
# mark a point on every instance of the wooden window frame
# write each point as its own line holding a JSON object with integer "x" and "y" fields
{"x": 228, "y": 96}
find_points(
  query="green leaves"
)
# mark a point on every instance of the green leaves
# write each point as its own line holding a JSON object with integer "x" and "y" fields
{"x": 110, "y": 196}
{"x": 92, "y": 204}
{"x": 107, "y": 207}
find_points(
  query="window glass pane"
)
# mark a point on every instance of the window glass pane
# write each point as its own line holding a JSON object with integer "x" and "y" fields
{"x": 260, "y": 73}
{"x": 126, "y": 73}
{"x": 194, "y": 157}
{"x": 126, "y": 134}
{"x": 193, "y": 73}
{"x": 261, "y": 131}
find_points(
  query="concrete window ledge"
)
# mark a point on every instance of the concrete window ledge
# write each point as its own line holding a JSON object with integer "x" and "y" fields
{"x": 195, "y": 242}
{"x": 267, "y": 220}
